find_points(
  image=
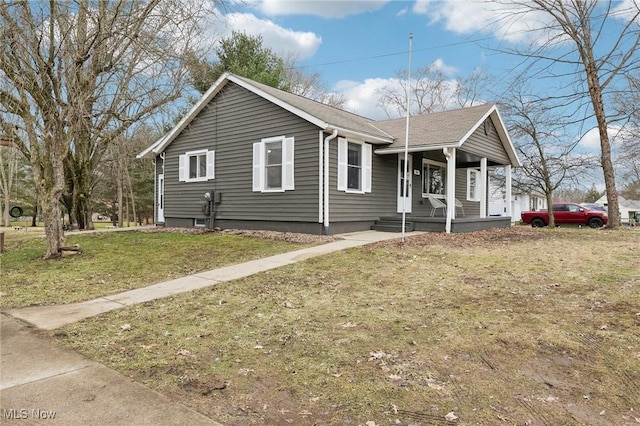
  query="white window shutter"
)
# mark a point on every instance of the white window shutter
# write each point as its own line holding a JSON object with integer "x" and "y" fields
{"x": 287, "y": 150}
{"x": 211, "y": 156}
{"x": 366, "y": 167}
{"x": 342, "y": 164}
{"x": 182, "y": 168}
{"x": 258, "y": 167}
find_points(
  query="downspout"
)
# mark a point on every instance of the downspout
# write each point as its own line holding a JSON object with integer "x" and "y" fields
{"x": 326, "y": 181}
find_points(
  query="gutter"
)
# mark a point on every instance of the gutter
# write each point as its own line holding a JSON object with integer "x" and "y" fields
{"x": 325, "y": 216}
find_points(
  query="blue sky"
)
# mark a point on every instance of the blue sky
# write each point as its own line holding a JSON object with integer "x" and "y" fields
{"x": 357, "y": 46}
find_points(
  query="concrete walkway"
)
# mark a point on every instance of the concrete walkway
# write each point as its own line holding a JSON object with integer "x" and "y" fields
{"x": 56, "y": 316}
{"x": 43, "y": 381}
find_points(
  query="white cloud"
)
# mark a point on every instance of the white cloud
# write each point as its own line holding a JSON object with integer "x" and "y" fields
{"x": 284, "y": 42}
{"x": 512, "y": 22}
{"x": 591, "y": 139}
{"x": 322, "y": 8}
{"x": 362, "y": 98}
{"x": 444, "y": 68}
{"x": 626, "y": 10}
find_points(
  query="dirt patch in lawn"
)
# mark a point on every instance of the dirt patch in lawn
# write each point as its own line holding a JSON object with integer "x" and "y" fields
{"x": 517, "y": 326}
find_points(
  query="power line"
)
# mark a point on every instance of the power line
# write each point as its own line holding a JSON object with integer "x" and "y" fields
{"x": 386, "y": 55}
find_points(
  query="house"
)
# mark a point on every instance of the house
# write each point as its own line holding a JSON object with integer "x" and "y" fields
{"x": 522, "y": 199}
{"x": 250, "y": 156}
{"x": 629, "y": 209}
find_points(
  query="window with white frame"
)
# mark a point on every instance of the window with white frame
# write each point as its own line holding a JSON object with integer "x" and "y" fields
{"x": 273, "y": 168}
{"x": 354, "y": 166}
{"x": 434, "y": 178}
{"x": 473, "y": 185}
{"x": 196, "y": 166}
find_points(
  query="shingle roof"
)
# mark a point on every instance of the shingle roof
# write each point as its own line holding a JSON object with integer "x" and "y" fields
{"x": 428, "y": 131}
{"x": 334, "y": 117}
{"x": 437, "y": 128}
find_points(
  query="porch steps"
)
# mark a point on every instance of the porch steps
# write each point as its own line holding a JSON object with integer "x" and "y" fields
{"x": 392, "y": 224}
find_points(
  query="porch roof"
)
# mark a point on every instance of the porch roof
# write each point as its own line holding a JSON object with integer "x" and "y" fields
{"x": 446, "y": 129}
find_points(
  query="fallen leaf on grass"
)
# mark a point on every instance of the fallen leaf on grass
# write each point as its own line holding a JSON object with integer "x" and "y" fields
{"x": 184, "y": 352}
{"x": 125, "y": 327}
{"x": 451, "y": 417}
{"x": 376, "y": 355}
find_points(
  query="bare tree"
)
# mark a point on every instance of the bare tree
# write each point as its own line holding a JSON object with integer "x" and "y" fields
{"x": 80, "y": 74}
{"x": 310, "y": 85}
{"x": 597, "y": 43}
{"x": 431, "y": 91}
{"x": 8, "y": 174}
{"x": 547, "y": 152}
{"x": 627, "y": 149}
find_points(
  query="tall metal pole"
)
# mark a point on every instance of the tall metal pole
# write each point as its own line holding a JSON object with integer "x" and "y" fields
{"x": 405, "y": 183}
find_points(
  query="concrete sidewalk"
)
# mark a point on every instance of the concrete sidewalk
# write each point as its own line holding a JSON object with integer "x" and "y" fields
{"x": 56, "y": 316}
{"x": 43, "y": 381}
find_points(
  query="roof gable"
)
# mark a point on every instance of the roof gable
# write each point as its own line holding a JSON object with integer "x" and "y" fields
{"x": 446, "y": 129}
{"x": 426, "y": 131}
{"x": 326, "y": 117}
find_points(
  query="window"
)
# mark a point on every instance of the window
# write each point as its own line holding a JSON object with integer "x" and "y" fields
{"x": 354, "y": 166}
{"x": 196, "y": 166}
{"x": 273, "y": 165}
{"x": 434, "y": 178}
{"x": 199, "y": 223}
{"x": 473, "y": 185}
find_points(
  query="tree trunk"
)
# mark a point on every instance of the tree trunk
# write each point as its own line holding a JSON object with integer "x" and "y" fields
{"x": 120, "y": 197}
{"x": 133, "y": 202}
{"x": 552, "y": 218}
{"x": 34, "y": 218}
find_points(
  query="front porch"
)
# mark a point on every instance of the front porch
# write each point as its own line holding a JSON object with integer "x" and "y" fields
{"x": 438, "y": 224}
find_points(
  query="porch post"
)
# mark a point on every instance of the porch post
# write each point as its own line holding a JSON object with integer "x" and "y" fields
{"x": 483, "y": 187}
{"x": 507, "y": 182}
{"x": 451, "y": 187}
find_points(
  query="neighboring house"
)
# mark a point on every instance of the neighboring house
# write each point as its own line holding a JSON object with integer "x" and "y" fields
{"x": 269, "y": 159}
{"x": 521, "y": 200}
{"x": 629, "y": 209}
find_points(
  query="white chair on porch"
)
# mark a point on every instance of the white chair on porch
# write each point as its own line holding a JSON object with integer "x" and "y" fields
{"x": 436, "y": 204}
{"x": 459, "y": 204}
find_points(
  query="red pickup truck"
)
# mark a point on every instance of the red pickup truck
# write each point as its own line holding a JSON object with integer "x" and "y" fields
{"x": 566, "y": 213}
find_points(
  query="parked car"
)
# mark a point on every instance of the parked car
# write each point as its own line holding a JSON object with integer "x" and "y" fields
{"x": 564, "y": 213}
{"x": 595, "y": 206}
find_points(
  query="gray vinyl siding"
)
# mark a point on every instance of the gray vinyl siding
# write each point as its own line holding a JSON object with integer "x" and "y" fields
{"x": 381, "y": 201}
{"x": 230, "y": 124}
{"x": 488, "y": 145}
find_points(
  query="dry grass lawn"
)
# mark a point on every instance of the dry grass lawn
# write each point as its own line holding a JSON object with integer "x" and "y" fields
{"x": 517, "y": 327}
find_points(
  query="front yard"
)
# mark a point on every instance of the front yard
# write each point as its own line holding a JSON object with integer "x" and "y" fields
{"x": 516, "y": 326}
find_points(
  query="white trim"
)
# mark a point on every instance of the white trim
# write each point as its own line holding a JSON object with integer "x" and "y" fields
{"x": 476, "y": 188}
{"x": 287, "y": 167}
{"x": 508, "y": 192}
{"x": 320, "y": 176}
{"x": 342, "y": 164}
{"x": 483, "y": 187}
{"x": 423, "y": 176}
{"x": 366, "y": 167}
{"x": 366, "y": 153}
{"x": 404, "y": 204}
{"x": 159, "y": 196}
{"x": 184, "y": 166}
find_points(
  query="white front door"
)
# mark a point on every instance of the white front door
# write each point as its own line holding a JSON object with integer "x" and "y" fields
{"x": 160, "y": 198}
{"x": 404, "y": 188}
